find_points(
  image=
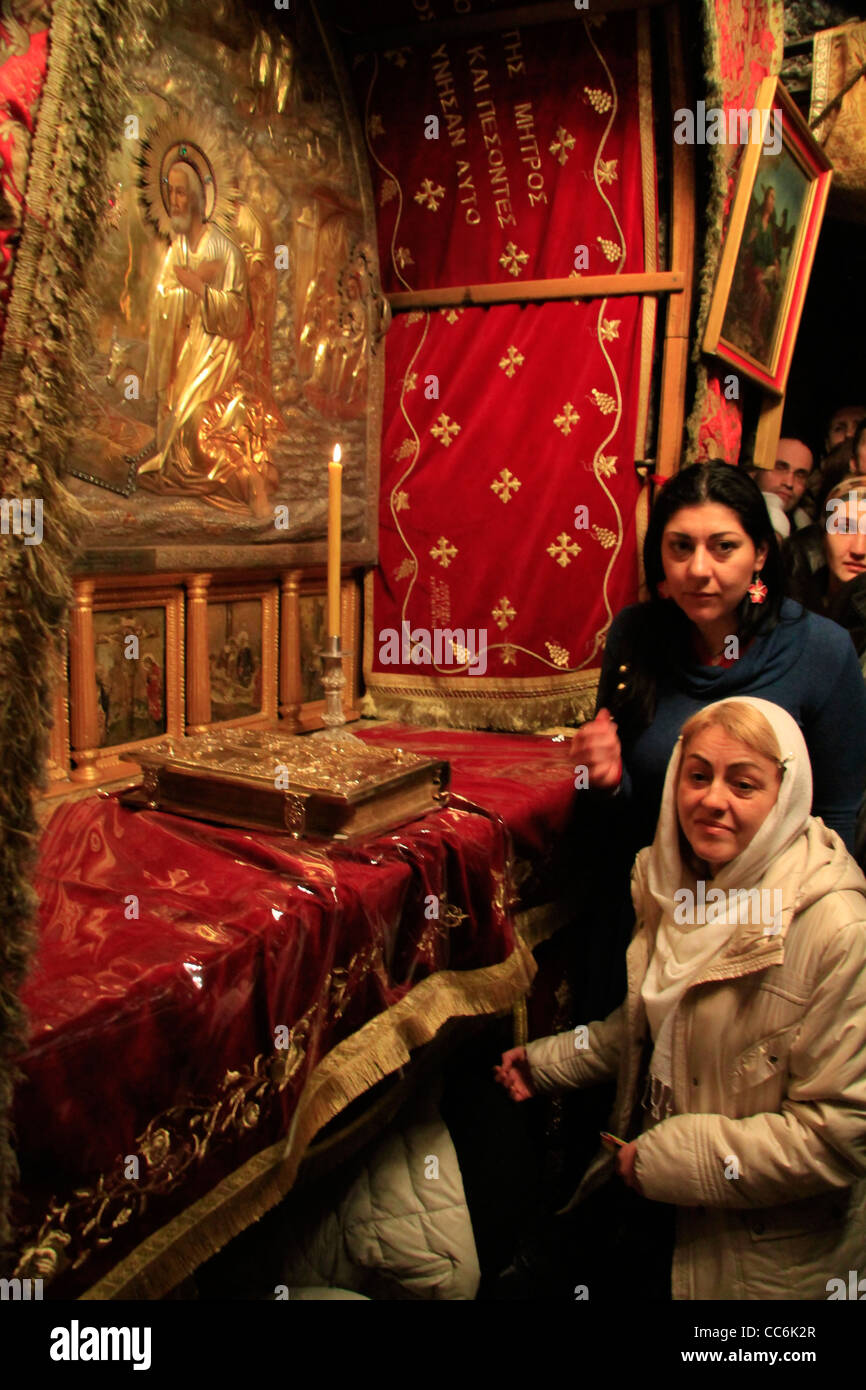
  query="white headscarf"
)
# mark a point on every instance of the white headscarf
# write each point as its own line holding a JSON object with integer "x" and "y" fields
{"x": 683, "y": 952}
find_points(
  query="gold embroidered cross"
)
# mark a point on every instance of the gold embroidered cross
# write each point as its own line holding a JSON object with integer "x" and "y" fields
{"x": 606, "y": 170}
{"x": 401, "y": 501}
{"x": 562, "y": 145}
{"x": 608, "y": 329}
{"x": 444, "y": 552}
{"x": 511, "y": 361}
{"x": 445, "y": 430}
{"x": 503, "y": 612}
{"x": 410, "y": 381}
{"x": 606, "y": 464}
{"x": 567, "y": 418}
{"x": 505, "y": 484}
{"x": 430, "y": 195}
{"x": 513, "y": 259}
{"x": 562, "y": 549}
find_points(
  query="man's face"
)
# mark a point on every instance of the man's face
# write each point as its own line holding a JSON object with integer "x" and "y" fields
{"x": 791, "y": 472}
{"x": 179, "y": 201}
{"x": 843, "y": 424}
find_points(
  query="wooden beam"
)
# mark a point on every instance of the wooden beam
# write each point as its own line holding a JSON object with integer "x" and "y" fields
{"x": 675, "y": 356}
{"x": 540, "y": 291}
{"x": 768, "y": 431}
{"x": 464, "y": 26}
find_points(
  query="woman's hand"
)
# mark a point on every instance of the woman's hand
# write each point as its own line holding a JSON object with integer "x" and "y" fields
{"x": 596, "y": 747}
{"x": 515, "y": 1074}
{"x": 625, "y": 1158}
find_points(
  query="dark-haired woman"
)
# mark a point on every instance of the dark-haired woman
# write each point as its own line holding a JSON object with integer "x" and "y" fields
{"x": 717, "y": 625}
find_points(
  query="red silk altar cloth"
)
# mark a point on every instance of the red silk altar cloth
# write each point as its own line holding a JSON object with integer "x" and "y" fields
{"x": 154, "y": 1037}
{"x": 508, "y": 493}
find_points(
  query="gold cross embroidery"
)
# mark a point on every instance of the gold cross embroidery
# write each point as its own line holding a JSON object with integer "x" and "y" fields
{"x": 505, "y": 484}
{"x": 562, "y": 549}
{"x": 445, "y": 430}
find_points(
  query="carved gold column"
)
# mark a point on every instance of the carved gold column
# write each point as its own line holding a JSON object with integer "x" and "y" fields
{"x": 82, "y": 675}
{"x": 198, "y": 706}
{"x": 290, "y": 648}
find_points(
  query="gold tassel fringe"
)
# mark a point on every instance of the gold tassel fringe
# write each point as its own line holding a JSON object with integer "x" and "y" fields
{"x": 381, "y": 1047}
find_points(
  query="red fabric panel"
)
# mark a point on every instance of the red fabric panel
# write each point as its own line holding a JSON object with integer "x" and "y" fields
{"x": 497, "y": 481}
{"x": 537, "y": 147}
{"x": 743, "y": 41}
{"x": 23, "y": 58}
{"x": 543, "y": 168}
{"x": 140, "y": 1026}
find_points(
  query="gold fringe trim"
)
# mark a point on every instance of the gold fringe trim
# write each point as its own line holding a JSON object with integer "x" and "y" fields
{"x": 509, "y": 714}
{"x": 42, "y": 368}
{"x": 538, "y": 924}
{"x": 381, "y": 1047}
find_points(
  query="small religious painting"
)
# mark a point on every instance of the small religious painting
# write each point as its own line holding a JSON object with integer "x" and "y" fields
{"x": 242, "y": 654}
{"x": 770, "y": 241}
{"x": 768, "y": 257}
{"x": 130, "y": 675}
{"x": 313, "y": 620}
{"x": 235, "y": 658}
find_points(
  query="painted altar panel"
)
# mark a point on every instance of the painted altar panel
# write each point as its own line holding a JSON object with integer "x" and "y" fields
{"x": 238, "y": 329}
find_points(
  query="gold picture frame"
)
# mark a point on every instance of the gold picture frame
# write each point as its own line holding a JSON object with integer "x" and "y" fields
{"x": 126, "y": 674}
{"x": 766, "y": 258}
{"x": 302, "y": 636}
{"x": 239, "y": 677}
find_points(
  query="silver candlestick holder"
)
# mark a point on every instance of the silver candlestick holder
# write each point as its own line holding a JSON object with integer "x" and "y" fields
{"x": 334, "y": 680}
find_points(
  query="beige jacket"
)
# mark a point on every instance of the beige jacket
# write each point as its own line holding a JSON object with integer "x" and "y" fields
{"x": 765, "y": 1154}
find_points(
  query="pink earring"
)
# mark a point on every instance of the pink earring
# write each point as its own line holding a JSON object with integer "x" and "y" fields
{"x": 757, "y": 590}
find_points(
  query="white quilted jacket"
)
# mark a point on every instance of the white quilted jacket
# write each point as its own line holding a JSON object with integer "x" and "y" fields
{"x": 400, "y": 1228}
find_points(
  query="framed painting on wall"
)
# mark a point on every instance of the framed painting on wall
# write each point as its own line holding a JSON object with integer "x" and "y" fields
{"x": 126, "y": 659}
{"x": 770, "y": 242}
{"x": 242, "y": 654}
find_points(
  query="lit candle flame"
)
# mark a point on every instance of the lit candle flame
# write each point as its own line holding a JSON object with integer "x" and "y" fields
{"x": 338, "y": 453}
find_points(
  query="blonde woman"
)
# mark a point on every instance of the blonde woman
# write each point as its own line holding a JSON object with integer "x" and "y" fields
{"x": 740, "y": 1050}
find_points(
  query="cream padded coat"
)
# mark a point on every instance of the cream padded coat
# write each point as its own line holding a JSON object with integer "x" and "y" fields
{"x": 769, "y": 1082}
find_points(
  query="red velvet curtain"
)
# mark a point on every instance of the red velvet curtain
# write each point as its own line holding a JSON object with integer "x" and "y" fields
{"x": 508, "y": 494}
